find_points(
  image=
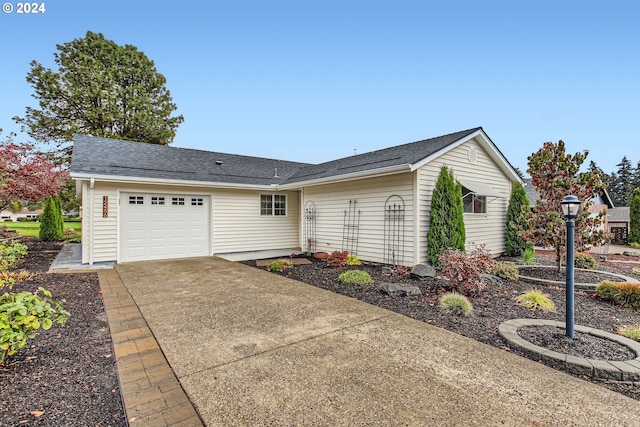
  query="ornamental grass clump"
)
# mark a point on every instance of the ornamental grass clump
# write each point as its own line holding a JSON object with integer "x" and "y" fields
{"x": 454, "y": 303}
{"x": 355, "y": 277}
{"x": 536, "y": 300}
{"x": 631, "y": 332}
{"x": 626, "y": 294}
{"x": 528, "y": 256}
{"x": 506, "y": 270}
{"x": 584, "y": 260}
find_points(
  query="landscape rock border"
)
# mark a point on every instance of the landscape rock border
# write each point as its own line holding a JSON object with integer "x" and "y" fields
{"x": 628, "y": 370}
{"x": 590, "y": 287}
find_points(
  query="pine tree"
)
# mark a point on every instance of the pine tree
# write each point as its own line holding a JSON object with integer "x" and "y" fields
{"x": 634, "y": 218}
{"x": 515, "y": 243}
{"x": 446, "y": 218}
{"x": 623, "y": 190}
{"x": 49, "y": 228}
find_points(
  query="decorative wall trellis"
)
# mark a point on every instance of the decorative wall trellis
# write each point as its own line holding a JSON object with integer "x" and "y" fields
{"x": 310, "y": 226}
{"x": 394, "y": 230}
{"x": 351, "y": 228}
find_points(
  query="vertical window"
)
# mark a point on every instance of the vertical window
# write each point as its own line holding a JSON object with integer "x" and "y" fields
{"x": 273, "y": 204}
{"x": 472, "y": 202}
{"x": 136, "y": 200}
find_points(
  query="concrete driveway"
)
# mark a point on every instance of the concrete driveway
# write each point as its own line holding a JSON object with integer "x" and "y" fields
{"x": 254, "y": 348}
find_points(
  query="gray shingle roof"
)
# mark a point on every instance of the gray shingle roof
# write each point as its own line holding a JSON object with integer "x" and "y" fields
{"x": 620, "y": 214}
{"x": 110, "y": 157}
{"x": 102, "y": 156}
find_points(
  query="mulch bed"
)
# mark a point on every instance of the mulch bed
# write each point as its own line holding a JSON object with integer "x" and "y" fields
{"x": 491, "y": 307}
{"x": 66, "y": 376}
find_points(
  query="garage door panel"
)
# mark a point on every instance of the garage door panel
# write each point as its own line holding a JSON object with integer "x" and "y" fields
{"x": 153, "y": 230}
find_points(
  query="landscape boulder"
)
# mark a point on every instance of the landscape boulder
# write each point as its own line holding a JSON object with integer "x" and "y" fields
{"x": 422, "y": 271}
{"x": 490, "y": 279}
{"x": 400, "y": 290}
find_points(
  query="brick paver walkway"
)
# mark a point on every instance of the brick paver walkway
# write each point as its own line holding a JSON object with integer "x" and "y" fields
{"x": 152, "y": 395}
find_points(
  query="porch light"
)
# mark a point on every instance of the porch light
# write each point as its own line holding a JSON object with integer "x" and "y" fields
{"x": 570, "y": 206}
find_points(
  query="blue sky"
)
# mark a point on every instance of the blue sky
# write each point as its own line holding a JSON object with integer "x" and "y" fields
{"x": 312, "y": 81}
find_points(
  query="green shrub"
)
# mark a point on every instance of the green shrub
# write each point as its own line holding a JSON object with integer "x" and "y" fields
{"x": 22, "y": 314}
{"x": 626, "y": 294}
{"x": 634, "y": 244}
{"x": 337, "y": 259}
{"x": 515, "y": 243}
{"x": 506, "y": 270}
{"x": 355, "y": 277}
{"x": 49, "y": 226}
{"x": 454, "y": 303}
{"x": 11, "y": 255}
{"x": 528, "y": 256}
{"x": 536, "y": 300}
{"x": 352, "y": 260}
{"x": 279, "y": 265}
{"x": 584, "y": 260}
{"x": 631, "y": 332}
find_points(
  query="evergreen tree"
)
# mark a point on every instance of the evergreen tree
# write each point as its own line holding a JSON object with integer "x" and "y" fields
{"x": 634, "y": 218}
{"x": 515, "y": 243}
{"x": 623, "y": 189}
{"x": 49, "y": 228}
{"x": 446, "y": 217}
{"x": 635, "y": 180}
{"x": 59, "y": 217}
{"x": 102, "y": 89}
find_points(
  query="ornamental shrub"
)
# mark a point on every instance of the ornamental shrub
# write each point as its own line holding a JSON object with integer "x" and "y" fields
{"x": 352, "y": 260}
{"x": 464, "y": 269}
{"x": 505, "y": 270}
{"x": 454, "y": 303}
{"x": 626, "y": 294}
{"x": 515, "y": 220}
{"x": 536, "y": 300}
{"x": 337, "y": 259}
{"x": 11, "y": 255}
{"x": 355, "y": 277}
{"x": 279, "y": 265}
{"x": 59, "y": 217}
{"x": 584, "y": 260}
{"x": 49, "y": 226}
{"x": 528, "y": 256}
{"x": 446, "y": 220}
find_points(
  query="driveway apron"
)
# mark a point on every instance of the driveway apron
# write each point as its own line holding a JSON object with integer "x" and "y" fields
{"x": 254, "y": 348}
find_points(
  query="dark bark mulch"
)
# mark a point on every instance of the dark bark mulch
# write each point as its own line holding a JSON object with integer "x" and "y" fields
{"x": 66, "y": 376}
{"x": 491, "y": 307}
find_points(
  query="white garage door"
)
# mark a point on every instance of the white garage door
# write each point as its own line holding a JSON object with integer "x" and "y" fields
{"x": 163, "y": 226}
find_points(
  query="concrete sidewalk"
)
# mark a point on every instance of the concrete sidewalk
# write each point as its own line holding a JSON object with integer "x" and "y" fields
{"x": 254, "y": 348}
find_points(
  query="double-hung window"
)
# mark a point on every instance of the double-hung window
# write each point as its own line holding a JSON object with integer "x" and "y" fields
{"x": 273, "y": 204}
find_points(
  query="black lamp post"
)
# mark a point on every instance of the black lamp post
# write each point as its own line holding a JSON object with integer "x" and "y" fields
{"x": 570, "y": 206}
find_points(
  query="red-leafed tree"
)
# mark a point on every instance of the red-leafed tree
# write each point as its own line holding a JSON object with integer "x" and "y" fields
{"x": 555, "y": 175}
{"x": 26, "y": 174}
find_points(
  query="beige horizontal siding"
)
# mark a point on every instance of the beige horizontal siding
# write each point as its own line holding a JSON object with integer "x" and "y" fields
{"x": 480, "y": 229}
{"x": 331, "y": 202}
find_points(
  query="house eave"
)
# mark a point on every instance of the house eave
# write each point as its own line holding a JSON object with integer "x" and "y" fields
{"x": 170, "y": 182}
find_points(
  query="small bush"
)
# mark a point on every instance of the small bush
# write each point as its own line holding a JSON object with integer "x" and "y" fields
{"x": 584, "y": 260}
{"x": 464, "y": 269}
{"x": 337, "y": 259}
{"x": 505, "y": 270}
{"x": 528, "y": 256}
{"x": 355, "y": 277}
{"x": 634, "y": 244}
{"x": 454, "y": 303}
{"x": 631, "y": 332}
{"x": 626, "y": 294}
{"x": 71, "y": 236}
{"x": 536, "y": 300}
{"x": 11, "y": 255}
{"x": 279, "y": 265}
{"x": 352, "y": 260}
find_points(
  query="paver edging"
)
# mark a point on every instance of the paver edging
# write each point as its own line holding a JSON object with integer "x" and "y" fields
{"x": 591, "y": 287}
{"x": 602, "y": 369}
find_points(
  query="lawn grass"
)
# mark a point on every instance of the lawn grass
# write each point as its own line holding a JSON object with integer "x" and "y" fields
{"x": 33, "y": 228}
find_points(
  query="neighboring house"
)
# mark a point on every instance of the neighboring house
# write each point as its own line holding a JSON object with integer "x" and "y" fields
{"x": 144, "y": 201}
{"x": 618, "y": 219}
{"x": 24, "y": 213}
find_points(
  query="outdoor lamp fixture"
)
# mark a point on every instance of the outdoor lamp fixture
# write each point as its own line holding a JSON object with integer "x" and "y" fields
{"x": 570, "y": 206}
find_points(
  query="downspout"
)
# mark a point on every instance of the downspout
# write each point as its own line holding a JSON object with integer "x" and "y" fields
{"x": 92, "y": 183}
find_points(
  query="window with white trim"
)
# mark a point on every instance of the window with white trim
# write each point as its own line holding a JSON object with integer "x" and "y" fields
{"x": 136, "y": 200}
{"x": 273, "y": 204}
{"x": 472, "y": 202}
